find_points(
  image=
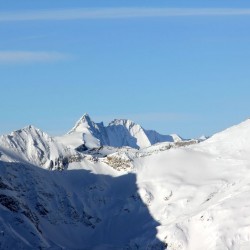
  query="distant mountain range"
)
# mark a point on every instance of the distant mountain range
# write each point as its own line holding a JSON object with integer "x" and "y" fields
{"x": 118, "y": 133}
{"x": 34, "y": 145}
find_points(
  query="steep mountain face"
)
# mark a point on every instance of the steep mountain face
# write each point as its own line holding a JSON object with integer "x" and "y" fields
{"x": 86, "y": 133}
{"x": 118, "y": 133}
{"x": 126, "y": 133}
{"x": 35, "y": 146}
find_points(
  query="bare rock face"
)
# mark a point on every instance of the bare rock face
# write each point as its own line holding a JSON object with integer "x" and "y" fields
{"x": 119, "y": 162}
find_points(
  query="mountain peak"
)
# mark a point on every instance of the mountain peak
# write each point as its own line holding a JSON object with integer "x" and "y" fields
{"x": 27, "y": 129}
{"x": 31, "y": 127}
{"x": 85, "y": 115}
{"x": 83, "y": 123}
{"x": 84, "y": 118}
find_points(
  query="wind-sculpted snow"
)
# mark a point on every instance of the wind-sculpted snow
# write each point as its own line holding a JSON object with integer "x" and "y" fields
{"x": 72, "y": 210}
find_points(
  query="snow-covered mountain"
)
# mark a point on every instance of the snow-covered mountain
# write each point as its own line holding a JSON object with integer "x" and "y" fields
{"x": 179, "y": 195}
{"x": 118, "y": 133}
{"x": 34, "y": 146}
{"x": 85, "y": 133}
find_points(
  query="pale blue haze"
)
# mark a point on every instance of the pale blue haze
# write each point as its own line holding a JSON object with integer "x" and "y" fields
{"x": 176, "y": 74}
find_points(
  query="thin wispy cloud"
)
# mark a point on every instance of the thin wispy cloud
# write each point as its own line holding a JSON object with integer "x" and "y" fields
{"x": 30, "y": 56}
{"x": 117, "y": 13}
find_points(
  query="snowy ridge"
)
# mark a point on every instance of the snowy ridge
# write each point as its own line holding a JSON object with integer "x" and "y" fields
{"x": 33, "y": 145}
{"x": 232, "y": 142}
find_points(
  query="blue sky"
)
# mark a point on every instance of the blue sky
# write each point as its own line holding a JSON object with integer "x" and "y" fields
{"x": 174, "y": 66}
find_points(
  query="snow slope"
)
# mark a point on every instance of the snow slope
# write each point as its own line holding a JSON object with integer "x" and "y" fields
{"x": 232, "y": 142}
{"x": 201, "y": 194}
{"x": 119, "y": 133}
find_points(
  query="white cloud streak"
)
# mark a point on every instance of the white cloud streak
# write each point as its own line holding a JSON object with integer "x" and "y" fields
{"x": 117, "y": 13}
{"x": 30, "y": 56}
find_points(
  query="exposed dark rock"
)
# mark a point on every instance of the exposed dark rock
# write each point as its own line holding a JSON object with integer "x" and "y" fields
{"x": 9, "y": 202}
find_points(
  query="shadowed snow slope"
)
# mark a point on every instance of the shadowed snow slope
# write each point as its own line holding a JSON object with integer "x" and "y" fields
{"x": 72, "y": 210}
{"x": 118, "y": 133}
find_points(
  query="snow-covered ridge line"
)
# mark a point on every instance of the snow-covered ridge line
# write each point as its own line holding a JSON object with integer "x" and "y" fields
{"x": 118, "y": 133}
{"x": 35, "y": 146}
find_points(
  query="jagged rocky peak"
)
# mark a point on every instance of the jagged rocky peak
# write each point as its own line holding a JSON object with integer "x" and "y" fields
{"x": 83, "y": 123}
